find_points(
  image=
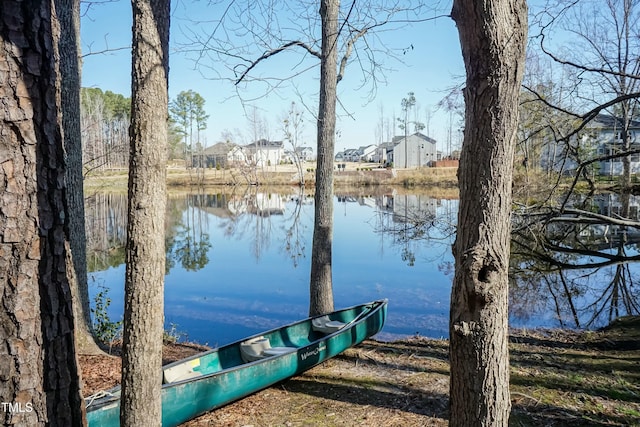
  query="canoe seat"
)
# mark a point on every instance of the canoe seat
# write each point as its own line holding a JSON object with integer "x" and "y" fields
{"x": 179, "y": 373}
{"x": 259, "y": 348}
{"x": 325, "y": 325}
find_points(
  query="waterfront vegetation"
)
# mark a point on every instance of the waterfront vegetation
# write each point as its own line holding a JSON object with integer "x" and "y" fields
{"x": 355, "y": 175}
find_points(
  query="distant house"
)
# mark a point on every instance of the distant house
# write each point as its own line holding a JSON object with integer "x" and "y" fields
{"x": 364, "y": 153}
{"x": 305, "y": 154}
{"x": 417, "y": 150}
{"x": 351, "y": 155}
{"x": 381, "y": 154}
{"x": 602, "y": 137}
{"x": 367, "y": 153}
{"x": 609, "y": 137}
{"x": 222, "y": 154}
{"x": 265, "y": 153}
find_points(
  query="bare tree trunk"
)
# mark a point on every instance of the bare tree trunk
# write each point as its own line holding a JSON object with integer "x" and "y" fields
{"x": 493, "y": 38}
{"x": 69, "y": 17}
{"x": 38, "y": 365}
{"x": 321, "y": 291}
{"x": 145, "y": 254}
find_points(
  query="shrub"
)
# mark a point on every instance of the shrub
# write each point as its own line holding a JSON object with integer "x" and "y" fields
{"x": 105, "y": 330}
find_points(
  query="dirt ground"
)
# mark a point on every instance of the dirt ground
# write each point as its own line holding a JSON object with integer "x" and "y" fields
{"x": 558, "y": 378}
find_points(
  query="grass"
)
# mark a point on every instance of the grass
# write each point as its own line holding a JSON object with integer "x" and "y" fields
{"x": 180, "y": 178}
{"x": 565, "y": 379}
{"x": 558, "y": 378}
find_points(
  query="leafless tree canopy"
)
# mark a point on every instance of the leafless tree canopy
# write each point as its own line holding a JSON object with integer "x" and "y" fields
{"x": 584, "y": 61}
{"x": 237, "y": 43}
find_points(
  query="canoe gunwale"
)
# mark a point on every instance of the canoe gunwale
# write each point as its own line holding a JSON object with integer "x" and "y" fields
{"x": 372, "y": 307}
{"x": 314, "y": 348}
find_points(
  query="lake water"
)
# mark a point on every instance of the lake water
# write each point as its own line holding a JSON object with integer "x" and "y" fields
{"x": 238, "y": 263}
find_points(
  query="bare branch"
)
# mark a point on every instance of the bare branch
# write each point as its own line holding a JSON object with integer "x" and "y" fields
{"x": 585, "y": 217}
{"x": 584, "y": 68}
{"x": 586, "y": 117}
{"x": 610, "y": 259}
{"x": 105, "y": 51}
{"x": 274, "y": 52}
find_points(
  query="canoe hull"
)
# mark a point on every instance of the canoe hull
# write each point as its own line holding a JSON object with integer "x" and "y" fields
{"x": 225, "y": 378}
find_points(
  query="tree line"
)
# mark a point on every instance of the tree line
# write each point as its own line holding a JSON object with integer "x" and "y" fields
{"x": 105, "y": 119}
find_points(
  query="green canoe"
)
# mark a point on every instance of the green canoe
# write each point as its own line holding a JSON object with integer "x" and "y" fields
{"x": 217, "y": 377}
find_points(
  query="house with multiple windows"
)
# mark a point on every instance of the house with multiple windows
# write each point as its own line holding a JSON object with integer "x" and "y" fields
{"x": 305, "y": 154}
{"x": 367, "y": 153}
{"x": 610, "y": 142}
{"x": 265, "y": 153}
{"x": 351, "y": 155}
{"x": 602, "y": 137}
{"x": 260, "y": 153}
{"x": 220, "y": 155}
{"x": 417, "y": 150}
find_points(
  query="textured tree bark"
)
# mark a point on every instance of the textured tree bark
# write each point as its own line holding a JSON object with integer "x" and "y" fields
{"x": 145, "y": 253}
{"x": 493, "y": 38}
{"x": 69, "y": 48}
{"x": 38, "y": 365}
{"x": 321, "y": 286}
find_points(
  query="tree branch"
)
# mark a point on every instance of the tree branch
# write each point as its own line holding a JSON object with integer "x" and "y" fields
{"x": 274, "y": 52}
{"x": 586, "y": 117}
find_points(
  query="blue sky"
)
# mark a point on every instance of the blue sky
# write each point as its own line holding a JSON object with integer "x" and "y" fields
{"x": 429, "y": 69}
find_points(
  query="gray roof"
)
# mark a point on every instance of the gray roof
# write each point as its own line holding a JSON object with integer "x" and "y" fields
{"x": 220, "y": 149}
{"x": 398, "y": 138}
{"x": 263, "y": 143}
{"x": 608, "y": 121}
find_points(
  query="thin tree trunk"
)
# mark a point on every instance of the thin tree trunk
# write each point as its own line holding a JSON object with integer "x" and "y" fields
{"x": 493, "y": 38}
{"x": 38, "y": 365}
{"x": 321, "y": 287}
{"x": 145, "y": 253}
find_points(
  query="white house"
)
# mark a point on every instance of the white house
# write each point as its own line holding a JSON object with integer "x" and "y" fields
{"x": 382, "y": 152}
{"x": 305, "y": 154}
{"x": 417, "y": 150}
{"x": 367, "y": 153}
{"x": 265, "y": 153}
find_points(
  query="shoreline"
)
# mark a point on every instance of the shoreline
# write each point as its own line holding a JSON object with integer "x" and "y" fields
{"x": 356, "y": 175}
{"x": 557, "y": 378}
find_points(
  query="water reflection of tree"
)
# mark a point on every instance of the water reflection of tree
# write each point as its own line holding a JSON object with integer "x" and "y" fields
{"x": 411, "y": 220}
{"x": 580, "y": 258}
{"x": 187, "y": 241}
{"x": 294, "y": 228}
{"x": 249, "y": 216}
{"x": 106, "y": 228}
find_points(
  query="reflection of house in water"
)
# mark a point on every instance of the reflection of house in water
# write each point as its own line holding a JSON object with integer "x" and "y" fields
{"x": 407, "y": 206}
{"x": 230, "y": 205}
{"x": 611, "y": 205}
{"x": 602, "y": 235}
{"x": 370, "y": 201}
{"x": 267, "y": 204}
{"x": 403, "y": 207}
